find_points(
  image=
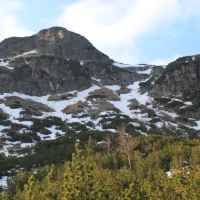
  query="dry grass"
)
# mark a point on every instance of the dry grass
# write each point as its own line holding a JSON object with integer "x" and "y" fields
{"x": 123, "y": 90}
{"x": 104, "y": 93}
{"x": 75, "y": 108}
{"x": 134, "y": 104}
{"x": 25, "y": 103}
{"x": 60, "y": 97}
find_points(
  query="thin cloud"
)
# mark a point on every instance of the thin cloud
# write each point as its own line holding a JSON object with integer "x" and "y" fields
{"x": 10, "y": 25}
{"x": 115, "y": 25}
{"x": 165, "y": 61}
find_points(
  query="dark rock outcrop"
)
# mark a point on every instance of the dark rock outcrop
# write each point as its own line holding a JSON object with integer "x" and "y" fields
{"x": 145, "y": 86}
{"x": 44, "y": 75}
{"x": 55, "y": 41}
{"x": 178, "y": 77}
{"x": 64, "y": 61}
{"x": 156, "y": 70}
{"x": 112, "y": 75}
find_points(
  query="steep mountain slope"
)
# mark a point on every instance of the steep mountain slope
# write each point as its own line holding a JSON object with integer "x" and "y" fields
{"x": 180, "y": 75}
{"x": 55, "y": 61}
{"x": 56, "y": 84}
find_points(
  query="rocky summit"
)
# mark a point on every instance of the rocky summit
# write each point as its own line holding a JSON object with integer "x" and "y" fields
{"x": 55, "y": 41}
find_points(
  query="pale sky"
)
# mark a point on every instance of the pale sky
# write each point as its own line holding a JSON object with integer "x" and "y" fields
{"x": 128, "y": 31}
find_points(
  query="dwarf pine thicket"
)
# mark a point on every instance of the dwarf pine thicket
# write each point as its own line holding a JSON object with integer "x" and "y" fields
{"x": 102, "y": 170}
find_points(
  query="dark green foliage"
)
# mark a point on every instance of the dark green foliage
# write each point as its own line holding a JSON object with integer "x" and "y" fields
{"x": 155, "y": 120}
{"x": 2, "y": 116}
{"x": 102, "y": 175}
{"x": 151, "y": 113}
{"x": 162, "y": 100}
{"x": 17, "y": 104}
{"x": 97, "y": 136}
{"x": 45, "y": 131}
{"x": 50, "y": 151}
{"x": 191, "y": 108}
{"x": 116, "y": 110}
{"x": 174, "y": 104}
{"x": 141, "y": 128}
{"x": 34, "y": 136}
{"x": 40, "y": 124}
{"x": 182, "y": 119}
{"x": 16, "y": 136}
{"x": 153, "y": 130}
{"x": 90, "y": 124}
{"x": 37, "y": 125}
{"x": 114, "y": 122}
{"x": 5, "y": 122}
{"x": 191, "y": 94}
{"x": 78, "y": 126}
{"x": 101, "y": 96}
{"x": 30, "y": 111}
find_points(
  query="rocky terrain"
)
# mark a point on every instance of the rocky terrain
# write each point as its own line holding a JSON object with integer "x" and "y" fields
{"x": 56, "y": 83}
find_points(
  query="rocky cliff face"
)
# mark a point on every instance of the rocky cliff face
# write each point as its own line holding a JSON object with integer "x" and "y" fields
{"x": 55, "y": 41}
{"x": 181, "y": 80}
{"x": 44, "y": 75}
{"x": 56, "y": 61}
{"x": 112, "y": 75}
{"x": 178, "y": 77}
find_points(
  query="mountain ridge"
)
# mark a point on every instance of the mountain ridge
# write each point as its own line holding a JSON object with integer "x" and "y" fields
{"x": 55, "y": 41}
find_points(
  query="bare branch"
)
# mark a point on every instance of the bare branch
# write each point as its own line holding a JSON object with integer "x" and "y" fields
{"x": 126, "y": 144}
{"x": 107, "y": 144}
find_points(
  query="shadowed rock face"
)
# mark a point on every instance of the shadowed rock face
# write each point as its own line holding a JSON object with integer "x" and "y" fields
{"x": 55, "y": 41}
{"x": 44, "y": 75}
{"x": 56, "y": 67}
{"x": 179, "y": 76}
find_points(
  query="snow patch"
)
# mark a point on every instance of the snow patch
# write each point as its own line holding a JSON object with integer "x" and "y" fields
{"x": 5, "y": 64}
{"x": 148, "y": 71}
{"x": 97, "y": 80}
{"x": 81, "y": 63}
{"x": 121, "y": 65}
{"x": 26, "y": 53}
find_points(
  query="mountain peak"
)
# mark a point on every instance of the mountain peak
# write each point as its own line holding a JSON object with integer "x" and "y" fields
{"x": 55, "y": 41}
{"x": 53, "y": 32}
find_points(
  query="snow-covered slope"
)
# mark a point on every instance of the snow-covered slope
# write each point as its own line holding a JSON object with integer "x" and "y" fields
{"x": 141, "y": 110}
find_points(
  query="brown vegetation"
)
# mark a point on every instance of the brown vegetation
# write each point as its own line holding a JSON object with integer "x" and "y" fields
{"x": 134, "y": 104}
{"x": 104, "y": 93}
{"x": 75, "y": 108}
